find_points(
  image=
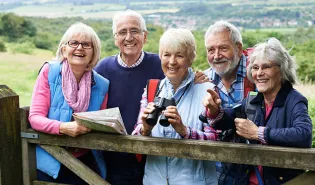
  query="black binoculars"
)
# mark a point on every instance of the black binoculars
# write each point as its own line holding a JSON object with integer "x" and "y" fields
{"x": 160, "y": 105}
{"x": 238, "y": 111}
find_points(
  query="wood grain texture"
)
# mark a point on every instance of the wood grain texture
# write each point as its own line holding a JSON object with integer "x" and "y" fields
{"x": 47, "y": 183}
{"x": 285, "y": 157}
{"x": 28, "y": 151}
{"x": 10, "y": 141}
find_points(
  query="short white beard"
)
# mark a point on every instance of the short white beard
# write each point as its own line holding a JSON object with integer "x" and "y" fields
{"x": 232, "y": 64}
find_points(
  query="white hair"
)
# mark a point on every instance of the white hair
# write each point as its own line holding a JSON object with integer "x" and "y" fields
{"x": 222, "y": 26}
{"x": 273, "y": 51}
{"x": 128, "y": 13}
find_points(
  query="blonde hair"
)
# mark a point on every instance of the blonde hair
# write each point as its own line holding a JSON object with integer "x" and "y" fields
{"x": 84, "y": 31}
{"x": 179, "y": 39}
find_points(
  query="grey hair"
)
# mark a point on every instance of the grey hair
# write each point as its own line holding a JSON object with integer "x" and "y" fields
{"x": 179, "y": 39}
{"x": 82, "y": 30}
{"x": 273, "y": 51}
{"x": 222, "y": 26}
{"x": 128, "y": 13}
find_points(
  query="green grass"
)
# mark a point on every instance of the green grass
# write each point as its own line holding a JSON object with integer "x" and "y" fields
{"x": 311, "y": 110}
{"x": 19, "y": 72}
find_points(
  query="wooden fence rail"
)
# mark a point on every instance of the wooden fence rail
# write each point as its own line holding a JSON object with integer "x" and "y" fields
{"x": 10, "y": 141}
{"x": 284, "y": 157}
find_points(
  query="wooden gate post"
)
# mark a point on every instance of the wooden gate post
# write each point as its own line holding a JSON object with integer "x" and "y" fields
{"x": 10, "y": 140}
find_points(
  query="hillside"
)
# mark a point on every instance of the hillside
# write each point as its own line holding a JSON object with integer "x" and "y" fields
{"x": 195, "y": 14}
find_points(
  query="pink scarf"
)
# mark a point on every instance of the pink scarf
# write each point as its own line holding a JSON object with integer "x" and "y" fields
{"x": 77, "y": 96}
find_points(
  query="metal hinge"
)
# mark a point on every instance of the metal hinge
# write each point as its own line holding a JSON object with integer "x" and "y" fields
{"x": 29, "y": 135}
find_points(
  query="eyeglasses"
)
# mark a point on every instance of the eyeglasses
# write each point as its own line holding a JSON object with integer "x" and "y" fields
{"x": 263, "y": 67}
{"x": 75, "y": 44}
{"x": 134, "y": 32}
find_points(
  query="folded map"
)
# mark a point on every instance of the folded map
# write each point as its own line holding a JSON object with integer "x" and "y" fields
{"x": 107, "y": 120}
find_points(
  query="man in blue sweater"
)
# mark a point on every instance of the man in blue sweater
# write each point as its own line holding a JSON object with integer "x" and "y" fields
{"x": 128, "y": 73}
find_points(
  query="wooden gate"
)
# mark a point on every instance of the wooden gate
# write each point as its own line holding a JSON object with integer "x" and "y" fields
{"x": 12, "y": 127}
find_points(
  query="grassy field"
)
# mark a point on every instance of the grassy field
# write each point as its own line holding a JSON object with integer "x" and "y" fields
{"x": 19, "y": 72}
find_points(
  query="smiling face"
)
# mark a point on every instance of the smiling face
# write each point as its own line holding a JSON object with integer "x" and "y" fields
{"x": 130, "y": 44}
{"x": 78, "y": 57}
{"x": 267, "y": 77}
{"x": 223, "y": 55}
{"x": 175, "y": 65}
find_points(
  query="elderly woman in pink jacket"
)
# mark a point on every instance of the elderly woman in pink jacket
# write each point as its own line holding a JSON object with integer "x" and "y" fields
{"x": 63, "y": 87}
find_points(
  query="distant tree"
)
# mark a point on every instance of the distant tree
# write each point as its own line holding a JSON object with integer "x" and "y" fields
{"x": 305, "y": 56}
{"x": 11, "y": 25}
{"x": 2, "y": 47}
{"x": 277, "y": 35}
{"x": 193, "y": 9}
{"x": 108, "y": 45}
{"x": 251, "y": 38}
{"x": 201, "y": 61}
{"x": 154, "y": 34}
{"x": 14, "y": 26}
{"x": 43, "y": 41}
{"x": 29, "y": 28}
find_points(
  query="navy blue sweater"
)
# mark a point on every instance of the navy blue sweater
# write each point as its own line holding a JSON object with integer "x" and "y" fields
{"x": 127, "y": 84}
{"x": 125, "y": 91}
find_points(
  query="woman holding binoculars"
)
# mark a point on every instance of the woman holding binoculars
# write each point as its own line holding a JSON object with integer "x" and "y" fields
{"x": 179, "y": 100}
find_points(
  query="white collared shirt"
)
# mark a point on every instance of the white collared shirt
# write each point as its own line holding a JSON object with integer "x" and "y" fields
{"x": 123, "y": 64}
